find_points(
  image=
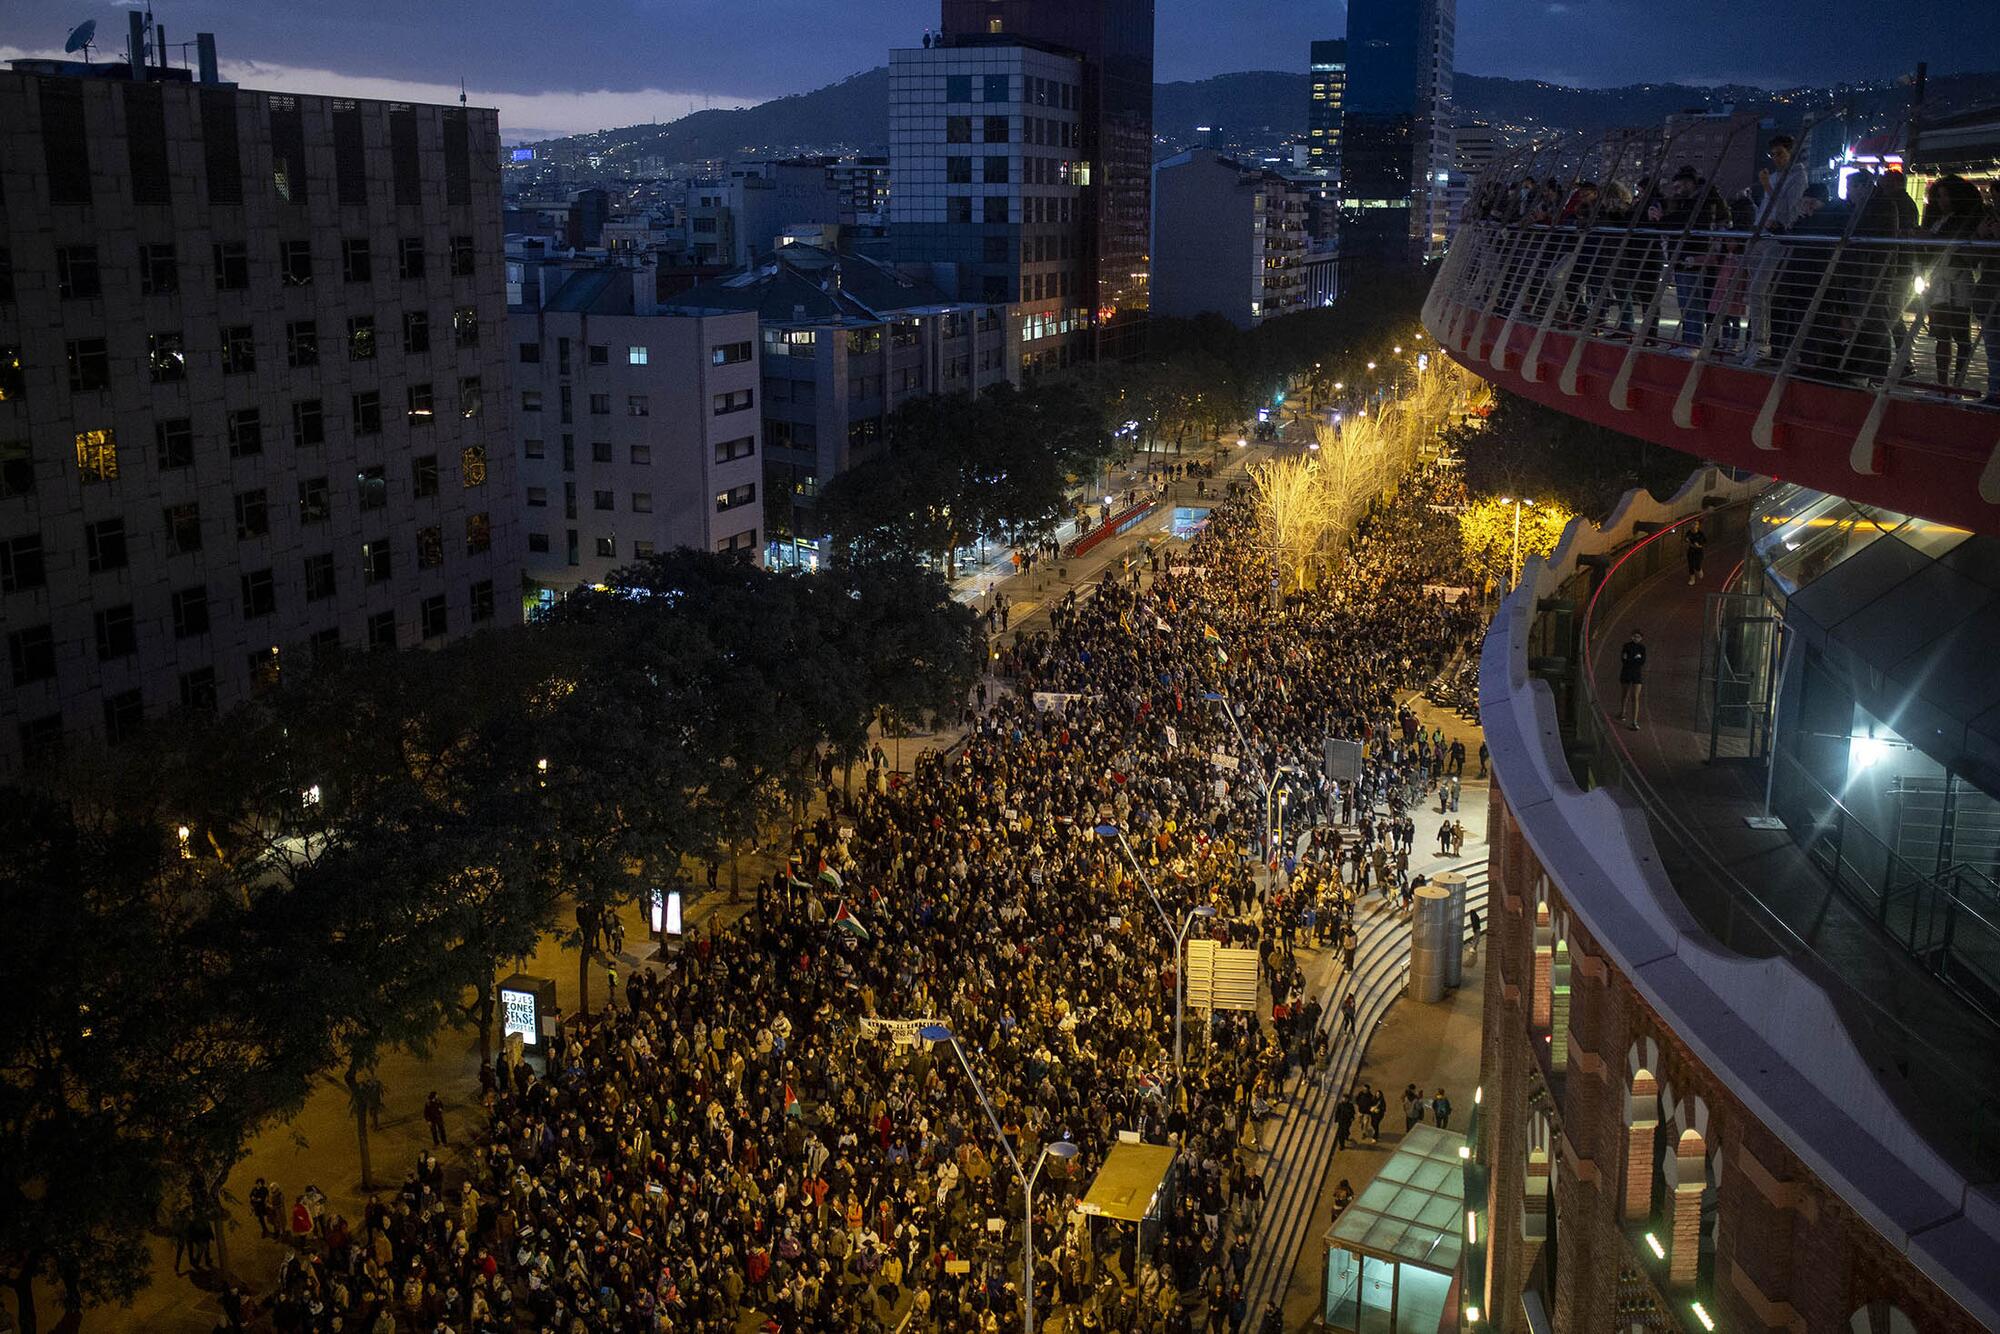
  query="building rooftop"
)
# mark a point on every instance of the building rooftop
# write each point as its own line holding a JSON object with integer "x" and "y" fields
{"x": 798, "y": 283}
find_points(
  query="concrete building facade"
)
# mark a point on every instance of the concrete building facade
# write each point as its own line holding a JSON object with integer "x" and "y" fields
{"x": 636, "y": 429}
{"x": 1228, "y": 238}
{"x": 987, "y": 176}
{"x": 1323, "y": 112}
{"x": 252, "y": 390}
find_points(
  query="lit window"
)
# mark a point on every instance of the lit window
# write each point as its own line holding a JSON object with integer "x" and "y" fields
{"x": 97, "y": 455}
{"x": 636, "y": 355}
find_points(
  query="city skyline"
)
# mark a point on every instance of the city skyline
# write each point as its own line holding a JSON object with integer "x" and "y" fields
{"x": 582, "y": 77}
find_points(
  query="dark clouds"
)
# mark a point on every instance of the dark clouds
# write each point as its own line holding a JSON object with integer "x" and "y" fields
{"x": 761, "y": 48}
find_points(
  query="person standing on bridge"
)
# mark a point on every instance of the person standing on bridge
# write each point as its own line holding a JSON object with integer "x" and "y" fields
{"x": 1632, "y": 677}
{"x": 1697, "y": 548}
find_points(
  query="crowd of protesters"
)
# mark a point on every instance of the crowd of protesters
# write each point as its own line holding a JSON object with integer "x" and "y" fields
{"x": 1757, "y": 274}
{"x": 755, "y": 1136}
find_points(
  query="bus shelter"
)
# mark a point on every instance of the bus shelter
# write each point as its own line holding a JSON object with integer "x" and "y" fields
{"x": 1392, "y": 1255}
{"x": 1133, "y": 1188}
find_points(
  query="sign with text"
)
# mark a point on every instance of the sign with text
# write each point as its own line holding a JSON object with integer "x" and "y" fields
{"x": 527, "y": 1004}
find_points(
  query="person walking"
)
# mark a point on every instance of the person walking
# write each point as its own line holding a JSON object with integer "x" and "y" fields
{"x": 1441, "y": 1110}
{"x": 1697, "y": 548}
{"x": 1413, "y": 1108}
{"x": 1483, "y": 753}
{"x": 1343, "y": 1121}
{"x": 434, "y": 1114}
{"x": 1632, "y": 678}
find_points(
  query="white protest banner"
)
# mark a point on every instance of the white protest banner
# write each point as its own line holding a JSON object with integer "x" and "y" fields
{"x": 903, "y": 1031}
{"x": 1223, "y": 760}
{"x": 1173, "y": 738}
{"x": 1052, "y": 699}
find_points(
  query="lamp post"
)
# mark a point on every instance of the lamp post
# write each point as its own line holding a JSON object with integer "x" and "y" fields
{"x": 1179, "y": 935}
{"x": 1271, "y": 785}
{"x": 1061, "y": 1149}
{"x": 1514, "y": 566}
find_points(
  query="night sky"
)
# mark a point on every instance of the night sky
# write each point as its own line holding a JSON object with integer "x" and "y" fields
{"x": 563, "y": 65}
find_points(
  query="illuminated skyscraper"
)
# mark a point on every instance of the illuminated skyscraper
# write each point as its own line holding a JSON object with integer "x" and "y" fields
{"x": 1396, "y": 136}
{"x": 1329, "y": 93}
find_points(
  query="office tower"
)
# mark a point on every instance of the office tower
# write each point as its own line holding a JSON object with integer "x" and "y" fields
{"x": 1396, "y": 138}
{"x": 252, "y": 389}
{"x": 1329, "y": 93}
{"x": 988, "y": 185}
{"x": 1113, "y": 39}
{"x": 1228, "y": 239}
{"x": 636, "y": 428}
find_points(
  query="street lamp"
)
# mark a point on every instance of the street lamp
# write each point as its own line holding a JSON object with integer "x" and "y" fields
{"x": 1514, "y": 568}
{"x": 1270, "y": 785}
{"x": 1180, "y": 935}
{"x": 1062, "y": 1149}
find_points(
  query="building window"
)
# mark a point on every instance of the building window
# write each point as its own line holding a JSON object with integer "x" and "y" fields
{"x": 958, "y": 171}
{"x": 996, "y": 130}
{"x": 637, "y": 405}
{"x": 124, "y": 715}
{"x": 958, "y": 87}
{"x": 996, "y": 87}
{"x": 416, "y": 331}
{"x": 104, "y": 545}
{"x": 361, "y": 338}
{"x": 302, "y": 344}
{"x": 737, "y": 495}
{"x": 159, "y": 269}
{"x": 239, "y": 350}
{"x": 602, "y": 500}
{"x": 315, "y": 500}
{"x": 117, "y": 632}
{"x": 743, "y": 546}
{"x": 642, "y": 502}
{"x": 376, "y": 566}
{"x": 21, "y": 564}
{"x": 253, "y": 515}
{"x": 736, "y": 400}
{"x": 166, "y": 357}
{"x": 32, "y": 654}
{"x": 463, "y": 257}
{"x": 324, "y": 645}
{"x": 382, "y": 632}
{"x": 958, "y": 130}
{"x": 465, "y": 326}
{"x": 478, "y": 534}
{"x": 430, "y": 547}
{"x": 538, "y": 497}
{"x": 198, "y": 690}
{"x": 372, "y": 485}
{"x": 996, "y": 170}
{"x": 77, "y": 275}
{"x": 729, "y": 354}
{"x": 190, "y": 612}
{"x": 423, "y": 406}
{"x": 260, "y": 594}
{"x": 246, "y": 433}
{"x": 531, "y": 400}
{"x": 636, "y": 355}
{"x": 530, "y": 354}
{"x": 183, "y": 528}
{"x": 355, "y": 264}
{"x": 424, "y": 476}
{"x": 600, "y": 405}
{"x": 728, "y": 451}
{"x": 607, "y": 548}
{"x": 538, "y": 543}
{"x": 996, "y": 209}
{"x": 642, "y": 455}
{"x": 482, "y": 600}
{"x": 97, "y": 455}
{"x": 319, "y": 576}
{"x": 600, "y": 354}
{"x": 308, "y": 422}
{"x": 232, "y": 266}
{"x": 13, "y": 381}
{"x": 89, "y": 365}
{"x": 600, "y": 451}
{"x": 295, "y": 263}
{"x": 534, "y": 449}
{"x": 410, "y": 258}
{"x": 368, "y": 413}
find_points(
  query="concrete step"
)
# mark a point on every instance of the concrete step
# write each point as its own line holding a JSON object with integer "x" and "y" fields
{"x": 1298, "y": 1150}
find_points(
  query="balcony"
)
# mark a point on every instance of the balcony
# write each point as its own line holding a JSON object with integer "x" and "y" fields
{"x": 1871, "y": 1068}
{"x": 1812, "y": 357}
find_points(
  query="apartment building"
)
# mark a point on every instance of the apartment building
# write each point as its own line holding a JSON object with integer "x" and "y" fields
{"x": 1232, "y": 239}
{"x": 636, "y": 427}
{"x": 252, "y": 389}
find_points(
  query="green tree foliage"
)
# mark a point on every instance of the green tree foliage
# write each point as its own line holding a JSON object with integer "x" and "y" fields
{"x": 1525, "y": 449}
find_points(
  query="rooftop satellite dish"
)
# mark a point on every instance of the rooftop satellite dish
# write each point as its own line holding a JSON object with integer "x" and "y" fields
{"x": 80, "y": 38}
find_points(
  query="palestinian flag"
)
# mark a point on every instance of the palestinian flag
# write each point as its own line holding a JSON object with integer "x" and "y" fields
{"x": 827, "y": 875}
{"x": 847, "y": 922}
{"x": 791, "y": 1102}
{"x": 1208, "y": 633}
{"x": 792, "y": 874}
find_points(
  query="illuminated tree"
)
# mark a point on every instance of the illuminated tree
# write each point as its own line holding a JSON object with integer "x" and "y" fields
{"x": 1486, "y": 533}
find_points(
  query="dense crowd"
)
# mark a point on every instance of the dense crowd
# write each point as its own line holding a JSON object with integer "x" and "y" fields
{"x": 1755, "y": 272}
{"x": 752, "y": 1138}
